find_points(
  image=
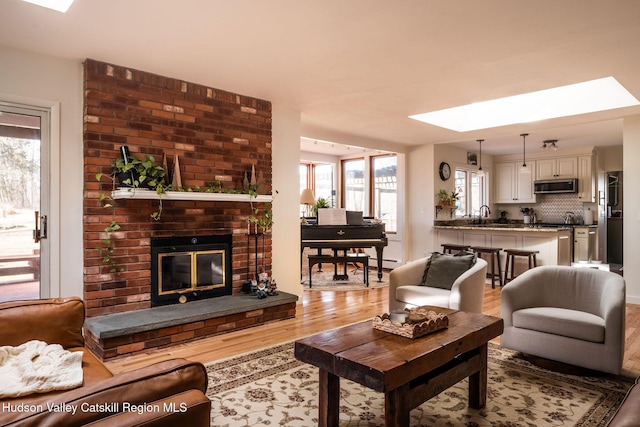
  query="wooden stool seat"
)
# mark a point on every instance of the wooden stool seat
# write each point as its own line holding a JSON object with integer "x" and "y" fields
{"x": 447, "y": 248}
{"x": 511, "y": 256}
{"x": 492, "y": 274}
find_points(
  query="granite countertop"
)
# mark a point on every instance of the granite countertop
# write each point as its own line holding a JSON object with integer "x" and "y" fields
{"x": 503, "y": 227}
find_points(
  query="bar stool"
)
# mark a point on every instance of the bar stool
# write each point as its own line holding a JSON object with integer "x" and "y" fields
{"x": 491, "y": 251}
{"x": 447, "y": 248}
{"x": 511, "y": 256}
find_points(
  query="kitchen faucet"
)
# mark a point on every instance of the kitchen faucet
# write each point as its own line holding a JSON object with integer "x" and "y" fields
{"x": 480, "y": 213}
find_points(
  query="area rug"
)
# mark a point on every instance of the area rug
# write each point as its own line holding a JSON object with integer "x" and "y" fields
{"x": 323, "y": 280}
{"x": 271, "y": 388}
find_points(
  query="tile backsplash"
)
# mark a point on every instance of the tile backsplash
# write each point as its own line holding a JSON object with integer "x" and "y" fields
{"x": 551, "y": 208}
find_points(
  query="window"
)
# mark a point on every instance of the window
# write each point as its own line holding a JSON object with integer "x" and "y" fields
{"x": 304, "y": 177}
{"x": 385, "y": 190}
{"x": 318, "y": 178}
{"x": 323, "y": 183}
{"x": 472, "y": 192}
{"x": 353, "y": 183}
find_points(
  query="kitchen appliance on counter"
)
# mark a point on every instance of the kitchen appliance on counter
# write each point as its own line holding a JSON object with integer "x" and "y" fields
{"x": 587, "y": 216}
{"x": 569, "y": 218}
{"x": 555, "y": 186}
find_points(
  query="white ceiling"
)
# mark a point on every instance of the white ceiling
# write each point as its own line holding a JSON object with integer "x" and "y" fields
{"x": 356, "y": 69}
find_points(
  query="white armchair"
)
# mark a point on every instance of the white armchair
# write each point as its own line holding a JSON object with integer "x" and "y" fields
{"x": 466, "y": 294}
{"x": 566, "y": 314}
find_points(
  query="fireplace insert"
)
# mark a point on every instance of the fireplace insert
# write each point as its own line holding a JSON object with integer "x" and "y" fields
{"x": 190, "y": 268}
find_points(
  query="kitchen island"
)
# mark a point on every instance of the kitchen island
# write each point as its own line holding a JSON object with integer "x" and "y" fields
{"x": 553, "y": 243}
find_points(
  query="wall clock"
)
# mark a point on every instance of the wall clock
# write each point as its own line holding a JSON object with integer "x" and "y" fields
{"x": 445, "y": 171}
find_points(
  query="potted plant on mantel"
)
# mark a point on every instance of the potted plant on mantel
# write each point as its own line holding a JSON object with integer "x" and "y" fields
{"x": 136, "y": 173}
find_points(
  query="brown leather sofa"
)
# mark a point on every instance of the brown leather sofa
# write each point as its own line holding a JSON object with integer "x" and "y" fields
{"x": 628, "y": 414}
{"x": 171, "y": 392}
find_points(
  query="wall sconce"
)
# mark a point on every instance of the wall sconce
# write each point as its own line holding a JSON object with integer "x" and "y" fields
{"x": 551, "y": 143}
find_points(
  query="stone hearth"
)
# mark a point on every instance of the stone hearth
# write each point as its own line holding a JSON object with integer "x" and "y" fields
{"x": 128, "y": 333}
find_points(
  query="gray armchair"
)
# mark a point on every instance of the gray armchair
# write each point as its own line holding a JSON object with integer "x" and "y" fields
{"x": 466, "y": 294}
{"x": 566, "y": 314}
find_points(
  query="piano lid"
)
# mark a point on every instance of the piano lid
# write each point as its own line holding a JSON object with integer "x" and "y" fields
{"x": 346, "y": 232}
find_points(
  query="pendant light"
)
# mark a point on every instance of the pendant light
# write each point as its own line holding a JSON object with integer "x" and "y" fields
{"x": 480, "y": 171}
{"x": 524, "y": 168}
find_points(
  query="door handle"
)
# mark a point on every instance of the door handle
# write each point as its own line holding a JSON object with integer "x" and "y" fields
{"x": 40, "y": 233}
{"x": 43, "y": 230}
{"x": 36, "y": 232}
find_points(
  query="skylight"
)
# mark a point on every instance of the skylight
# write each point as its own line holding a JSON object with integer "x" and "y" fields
{"x": 59, "y": 5}
{"x": 580, "y": 98}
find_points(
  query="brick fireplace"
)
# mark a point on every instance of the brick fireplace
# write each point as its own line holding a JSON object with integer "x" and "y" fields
{"x": 217, "y": 136}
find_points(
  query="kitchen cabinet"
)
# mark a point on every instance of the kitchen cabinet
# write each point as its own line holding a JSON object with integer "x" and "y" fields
{"x": 513, "y": 186}
{"x": 558, "y": 168}
{"x": 585, "y": 243}
{"x": 554, "y": 245}
{"x": 586, "y": 180}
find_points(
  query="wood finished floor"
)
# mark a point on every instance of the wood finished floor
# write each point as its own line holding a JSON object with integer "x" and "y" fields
{"x": 320, "y": 311}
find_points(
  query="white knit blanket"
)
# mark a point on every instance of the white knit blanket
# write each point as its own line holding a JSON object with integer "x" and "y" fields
{"x": 38, "y": 367}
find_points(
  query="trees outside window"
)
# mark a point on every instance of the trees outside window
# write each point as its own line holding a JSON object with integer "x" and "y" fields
{"x": 353, "y": 185}
{"x": 385, "y": 190}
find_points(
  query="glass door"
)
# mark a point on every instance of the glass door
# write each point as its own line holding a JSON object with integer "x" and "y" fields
{"x": 23, "y": 224}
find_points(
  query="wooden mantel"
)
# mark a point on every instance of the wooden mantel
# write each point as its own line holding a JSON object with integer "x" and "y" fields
{"x": 145, "y": 194}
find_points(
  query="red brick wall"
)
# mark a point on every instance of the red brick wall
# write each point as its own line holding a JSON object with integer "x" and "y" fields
{"x": 217, "y": 135}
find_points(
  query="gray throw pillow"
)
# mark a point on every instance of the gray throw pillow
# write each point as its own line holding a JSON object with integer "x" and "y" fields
{"x": 443, "y": 269}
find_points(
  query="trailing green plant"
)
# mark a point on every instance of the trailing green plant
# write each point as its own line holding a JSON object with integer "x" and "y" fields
{"x": 261, "y": 217}
{"x": 145, "y": 173}
{"x": 140, "y": 173}
{"x": 136, "y": 174}
{"x": 106, "y": 246}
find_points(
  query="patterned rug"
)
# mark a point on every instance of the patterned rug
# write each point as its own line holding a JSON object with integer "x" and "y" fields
{"x": 323, "y": 281}
{"x": 271, "y": 388}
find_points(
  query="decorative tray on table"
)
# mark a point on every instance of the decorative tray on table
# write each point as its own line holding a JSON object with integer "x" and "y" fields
{"x": 412, "y": 323}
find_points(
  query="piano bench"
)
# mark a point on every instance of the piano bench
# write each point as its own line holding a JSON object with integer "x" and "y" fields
{"x": 360, "y": 258}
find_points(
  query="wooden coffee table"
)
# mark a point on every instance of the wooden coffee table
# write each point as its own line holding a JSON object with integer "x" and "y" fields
{"x": 408, "y": 371}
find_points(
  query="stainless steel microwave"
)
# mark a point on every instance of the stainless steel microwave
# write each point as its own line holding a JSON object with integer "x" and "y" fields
{"x": 556, "y": 186}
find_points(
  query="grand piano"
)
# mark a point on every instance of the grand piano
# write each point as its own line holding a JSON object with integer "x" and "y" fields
{"x": 344, "y": 237}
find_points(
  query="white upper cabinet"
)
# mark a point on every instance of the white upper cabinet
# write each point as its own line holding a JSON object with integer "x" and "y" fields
{"x": 559, "y": 168}
{"x": 586, "y": 180}
{"x": 512, "y": 185}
